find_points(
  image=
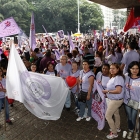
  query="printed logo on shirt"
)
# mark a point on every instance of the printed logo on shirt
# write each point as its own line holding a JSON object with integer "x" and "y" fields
{"x": 136, "y": 83}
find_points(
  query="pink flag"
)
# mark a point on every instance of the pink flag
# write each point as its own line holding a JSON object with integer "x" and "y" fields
{"x": 98, "y": 106}
{"x": 9, "y": 27}
{"x": 32, "y": 34}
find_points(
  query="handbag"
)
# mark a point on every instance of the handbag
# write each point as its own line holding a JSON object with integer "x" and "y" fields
{"x": 82, "y": 96}
{"x": 132, "y": 103}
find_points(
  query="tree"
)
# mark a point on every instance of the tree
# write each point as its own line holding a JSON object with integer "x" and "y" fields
{"x": 119, "y": 18}
{"x": 92, "y": 17}
{"x": 19, "y": 9}
{"x": 53, "y": 14}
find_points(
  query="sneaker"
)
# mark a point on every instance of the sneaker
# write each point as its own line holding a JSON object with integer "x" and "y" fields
{"x": 118, "y": 130}
{"x": 129, "y": 136}
{"x": 112, "y": 136}
{"x": 9, "y": 122}
{"x": 88, "y": 119}
{"x": 79, "y": 119}
{"x": 137, "y": 137}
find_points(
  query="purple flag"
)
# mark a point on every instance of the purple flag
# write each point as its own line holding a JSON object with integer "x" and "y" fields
{"x": 44, "y": 29}
{"x": 108, "y": 33}
{"x": 105, "y": 45}
{"x": 98, "y": 106}
{"x": 9, "y": 27}
{"x": 32, "y": 34}
{"x": 95, "y": 43}
{"x": 57, "y": 55}
{"x": 71, "y": 43}
{"x": 61, "y": 33}
{"x": 22, "y": 37}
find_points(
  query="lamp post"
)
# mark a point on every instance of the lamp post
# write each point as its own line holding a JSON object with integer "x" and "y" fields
{"x": 78, "y": 18}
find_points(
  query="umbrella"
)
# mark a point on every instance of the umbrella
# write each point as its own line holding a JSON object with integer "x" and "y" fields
{"x": 77, "y": 34}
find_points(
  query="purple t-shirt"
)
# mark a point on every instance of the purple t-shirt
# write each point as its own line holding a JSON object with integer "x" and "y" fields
{"x": 63, "y": 71}
{"x": 2, "y": 84}
{"x": 128, "y": 57}
{"x": 50, "y": 73}
{"x": 103, "y": 79}
{"x": 76, "y": 74}
{"x": 134, "y": 91}
{"x": 119, "y": 57}
{"x": 84, "y": 76}
{"x": 111, "y": 85}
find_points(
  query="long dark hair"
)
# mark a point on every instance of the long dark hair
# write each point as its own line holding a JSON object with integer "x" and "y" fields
{"x": 133, "y": 63}
{"x": 2, "y": 72}
{"x": 119, "y": 73}
{"x": 52, "y": 63}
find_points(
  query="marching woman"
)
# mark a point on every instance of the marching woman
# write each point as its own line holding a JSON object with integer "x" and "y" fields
{"x": 63, "y": 70}
{"x": 33, "y": 67}
{"x": 2, "y": 96}
{"x": 75, "y": 72}
{"x": 115, "y": 93}
{"x": 132, "y": 93}
{"x": 111, "y": 58}
{"x": 102, "y": 78}
{"x": 86, "y": 85}
{"x": 50, "y": 69}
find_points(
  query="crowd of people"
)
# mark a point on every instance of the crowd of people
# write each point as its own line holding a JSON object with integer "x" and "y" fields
{"x": 112, "y": 61}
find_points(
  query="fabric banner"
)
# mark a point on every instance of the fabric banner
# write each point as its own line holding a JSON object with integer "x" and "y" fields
{"x": 49, "y": 39}
{"x": 22, "y": 37}
{"x": 43, "y": 95}
{"x": 98, "y": 106}
{"x": 32, "y": 34}
{"x": 9, "y": 27}
{"x": 61, "y": 33}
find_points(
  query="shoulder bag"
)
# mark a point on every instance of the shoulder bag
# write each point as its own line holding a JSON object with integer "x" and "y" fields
{"x": 82, "y": 96}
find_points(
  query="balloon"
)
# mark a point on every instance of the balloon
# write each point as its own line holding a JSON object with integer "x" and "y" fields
{"x": 71, "y": 81}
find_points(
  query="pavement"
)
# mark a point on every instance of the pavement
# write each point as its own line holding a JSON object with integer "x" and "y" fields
{"x": 28, "y": 127}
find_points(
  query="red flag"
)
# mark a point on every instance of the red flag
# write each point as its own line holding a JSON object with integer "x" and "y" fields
{"x": 130, "y": 20}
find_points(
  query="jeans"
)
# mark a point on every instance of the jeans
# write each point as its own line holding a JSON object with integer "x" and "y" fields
{"x": 68, "y": 100}
{"x": 76, "y": 100}
{"x": 131, "y": 116}
{"x": 83, "y": 105}
{"x": 2, "y": 102}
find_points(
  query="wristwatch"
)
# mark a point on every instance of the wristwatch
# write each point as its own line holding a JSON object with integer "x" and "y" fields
{"x": 108, "y": 92}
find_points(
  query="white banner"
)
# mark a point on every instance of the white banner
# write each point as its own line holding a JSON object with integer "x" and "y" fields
{"x": 44, "y": 96}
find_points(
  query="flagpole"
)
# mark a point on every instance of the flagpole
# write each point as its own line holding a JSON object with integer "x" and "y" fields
{"x": 78, "y": 18}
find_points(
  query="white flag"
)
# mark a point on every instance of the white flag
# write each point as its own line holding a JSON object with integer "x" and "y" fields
{"x": 43, "y": 95}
